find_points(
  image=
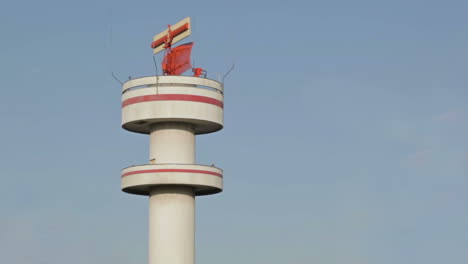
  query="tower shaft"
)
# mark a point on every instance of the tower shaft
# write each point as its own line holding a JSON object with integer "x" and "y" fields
{"x": 171, "y": 225}
{"x": 172, "y": 208}
{"x": 172, "y": 142}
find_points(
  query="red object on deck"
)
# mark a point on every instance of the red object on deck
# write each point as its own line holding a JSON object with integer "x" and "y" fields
{"x": 197, "y": 72}
{"x": 177, "y": 60}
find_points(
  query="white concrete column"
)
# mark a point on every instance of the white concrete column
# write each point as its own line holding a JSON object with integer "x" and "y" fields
{"x": 172, "y": 207}
{"x": 172, "y": 225}
{"x": 172, "y": 143}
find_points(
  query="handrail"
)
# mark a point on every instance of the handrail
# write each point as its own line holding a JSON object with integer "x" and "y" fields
{"x": 169, "y": 79}
{"x": 176, "y": 164}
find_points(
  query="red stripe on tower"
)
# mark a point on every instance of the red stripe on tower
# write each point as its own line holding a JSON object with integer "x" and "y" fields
{"x": 172, "y": 97}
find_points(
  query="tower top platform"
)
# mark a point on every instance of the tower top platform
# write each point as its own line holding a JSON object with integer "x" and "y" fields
{"x": 150, "y": 100}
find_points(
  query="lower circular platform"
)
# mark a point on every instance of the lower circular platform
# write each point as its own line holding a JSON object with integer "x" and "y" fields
{"x": 141, "y": 179}
{"x": 144, "y": 126}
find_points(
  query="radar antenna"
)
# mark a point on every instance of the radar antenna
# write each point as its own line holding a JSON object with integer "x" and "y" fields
{"x": 176, "y": 60}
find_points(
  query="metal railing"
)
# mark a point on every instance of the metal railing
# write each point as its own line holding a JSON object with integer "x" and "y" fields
{"x": 164, "y": 81}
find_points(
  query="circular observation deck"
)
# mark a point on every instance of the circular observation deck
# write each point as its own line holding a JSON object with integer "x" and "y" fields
{"x": 141, "y": 179}
{"x": 156, "y": 99}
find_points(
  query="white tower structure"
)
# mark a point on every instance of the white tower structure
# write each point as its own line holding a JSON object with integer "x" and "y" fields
{"x": 172, "y": 110}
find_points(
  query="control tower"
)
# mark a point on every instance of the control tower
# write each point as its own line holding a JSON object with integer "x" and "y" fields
{"x": 172, "y": 110}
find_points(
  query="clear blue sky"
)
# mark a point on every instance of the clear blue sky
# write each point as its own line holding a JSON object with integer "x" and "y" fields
{"x": 345, "y": 136}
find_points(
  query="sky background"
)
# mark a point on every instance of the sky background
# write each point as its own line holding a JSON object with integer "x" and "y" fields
{"x": 345, "y": 136}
